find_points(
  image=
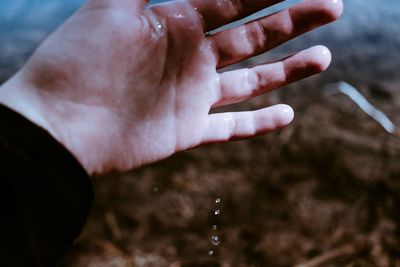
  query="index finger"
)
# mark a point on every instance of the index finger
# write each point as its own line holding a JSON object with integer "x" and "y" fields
{"x": 216, "y": 13}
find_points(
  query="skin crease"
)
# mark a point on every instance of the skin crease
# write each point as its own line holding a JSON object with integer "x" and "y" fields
{"x": 122, "y": 85}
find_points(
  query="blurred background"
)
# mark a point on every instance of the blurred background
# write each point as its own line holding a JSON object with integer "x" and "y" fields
{"x": 324, "y": 191}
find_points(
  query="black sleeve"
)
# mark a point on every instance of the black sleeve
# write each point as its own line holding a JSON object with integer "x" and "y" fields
{"x": 45, "y": 194}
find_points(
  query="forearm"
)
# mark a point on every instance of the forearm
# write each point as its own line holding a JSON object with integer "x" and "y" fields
{"x": 45, "y": 194}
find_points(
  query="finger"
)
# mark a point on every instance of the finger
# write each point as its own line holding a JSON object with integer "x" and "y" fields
{"x": 239, "y": 85}
{"x": 262, "y": 35}
{"x": 237, "y": 125}
{"x": 216, "y": 13}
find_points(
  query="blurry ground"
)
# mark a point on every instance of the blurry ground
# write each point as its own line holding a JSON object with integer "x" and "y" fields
{"x": 325, "y": 191}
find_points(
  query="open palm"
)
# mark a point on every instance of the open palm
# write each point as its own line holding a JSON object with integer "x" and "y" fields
{"x": 121, "y": 84}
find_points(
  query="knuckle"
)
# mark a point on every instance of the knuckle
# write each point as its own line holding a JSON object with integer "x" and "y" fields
{"x": 256, "y": 36}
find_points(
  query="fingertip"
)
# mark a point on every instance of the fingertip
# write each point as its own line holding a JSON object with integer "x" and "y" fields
{"x": 331, "y": 10}
{"x": 323, "y": 57}
{"x": 284, "y": 115}
{"x": 337, "y": 8}
{"x": 312, "y": 61}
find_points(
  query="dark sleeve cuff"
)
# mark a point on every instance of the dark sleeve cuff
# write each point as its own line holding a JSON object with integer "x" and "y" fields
{"x": 45, "y": 194}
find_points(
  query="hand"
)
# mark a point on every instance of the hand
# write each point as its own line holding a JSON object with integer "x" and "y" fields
{"x": 122, "y": 85}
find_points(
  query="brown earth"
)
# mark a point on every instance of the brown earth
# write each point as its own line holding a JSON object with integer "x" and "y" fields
{"x": 325, "y": 191}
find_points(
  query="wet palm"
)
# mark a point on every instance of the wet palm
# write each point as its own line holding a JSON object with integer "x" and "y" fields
{"x": 121, "y": 85}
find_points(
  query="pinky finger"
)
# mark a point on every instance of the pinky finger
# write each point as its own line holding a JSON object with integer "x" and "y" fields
{"x": 237, "y": 125}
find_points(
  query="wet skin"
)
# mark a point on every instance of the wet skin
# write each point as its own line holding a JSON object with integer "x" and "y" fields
{"x": 122, "y": 85}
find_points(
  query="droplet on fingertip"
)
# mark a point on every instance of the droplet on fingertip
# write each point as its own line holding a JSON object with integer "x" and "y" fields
{"x": 215, "y": 240}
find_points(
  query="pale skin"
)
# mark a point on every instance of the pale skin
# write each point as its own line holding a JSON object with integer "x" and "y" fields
{"x": 122, "y": 85}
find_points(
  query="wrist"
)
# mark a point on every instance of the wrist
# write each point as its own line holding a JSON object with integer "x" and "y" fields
{"x": 20, "y": 96}
{"x": 26, "y": 99}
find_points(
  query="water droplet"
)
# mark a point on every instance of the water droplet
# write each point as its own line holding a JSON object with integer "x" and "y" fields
{"x": 217, "y": 212}
{"x": 211, "y": 252}
{"x": 215, "y": 240}
{"x": 179, "y": 16}
{"x": 217, "y": 200}
{"x": 215, "y": 227}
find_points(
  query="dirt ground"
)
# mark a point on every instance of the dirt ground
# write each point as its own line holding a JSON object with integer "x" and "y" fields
{"x": 324, "y": 191}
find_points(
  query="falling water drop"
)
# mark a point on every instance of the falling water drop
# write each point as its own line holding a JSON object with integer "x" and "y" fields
{"x": 215, "y": 240}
